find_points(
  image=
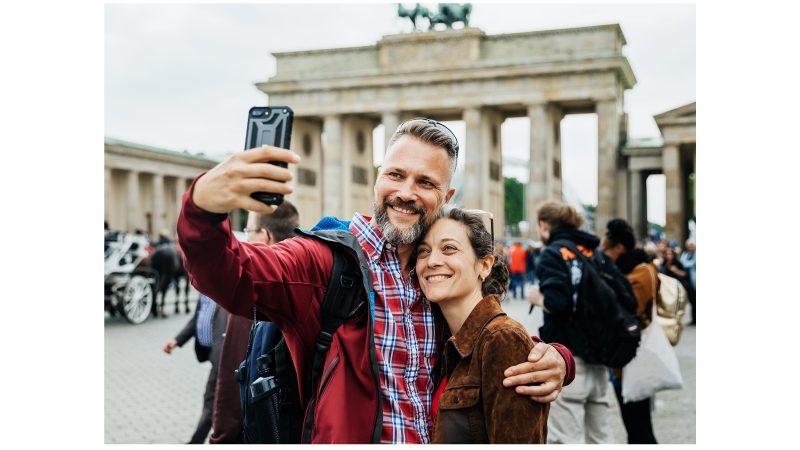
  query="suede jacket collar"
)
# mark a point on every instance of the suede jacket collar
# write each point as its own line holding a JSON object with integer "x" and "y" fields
{"x": 483, "y": 313}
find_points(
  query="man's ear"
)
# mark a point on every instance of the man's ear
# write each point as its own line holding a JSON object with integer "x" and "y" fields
{"x": 449, "y": 195}
{"x": 270, "y": 237}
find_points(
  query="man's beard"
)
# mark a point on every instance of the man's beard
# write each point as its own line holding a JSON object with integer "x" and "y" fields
{"x": 391, "y": 233}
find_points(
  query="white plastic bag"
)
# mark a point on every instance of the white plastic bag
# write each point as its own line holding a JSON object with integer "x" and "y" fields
{"x": 654, "y": 368}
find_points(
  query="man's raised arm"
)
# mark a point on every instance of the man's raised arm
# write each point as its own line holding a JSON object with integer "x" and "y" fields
{"x": 218, "y": 264}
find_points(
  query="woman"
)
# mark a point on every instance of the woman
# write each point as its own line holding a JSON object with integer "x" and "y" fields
{"x": 618, "y": 245}
{"x": 672, "y": 267}
{"x": 458, "y": 272}
{"x": 580, "y": 413}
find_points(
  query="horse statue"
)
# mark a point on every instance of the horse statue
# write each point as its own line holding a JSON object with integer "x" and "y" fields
{"x": 450, "y": 13}
{"x": 413, "y": 14}
{"x": 167, "y": 261}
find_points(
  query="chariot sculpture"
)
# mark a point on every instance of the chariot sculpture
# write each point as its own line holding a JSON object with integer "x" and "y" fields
{"x": 447, "y": 14}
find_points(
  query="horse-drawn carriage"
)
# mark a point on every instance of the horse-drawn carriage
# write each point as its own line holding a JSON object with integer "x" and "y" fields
{"x": 129, "y": 288}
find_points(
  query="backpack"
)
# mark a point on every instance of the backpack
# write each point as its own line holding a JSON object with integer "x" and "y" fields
{"x": 670, "y": 307}
{"x": 605, "y": 314}
{"x": 271, "y": 409}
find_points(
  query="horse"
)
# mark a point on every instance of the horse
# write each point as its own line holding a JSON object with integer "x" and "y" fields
{"x": 413, "y": 14}
{"x": 450, "y": 13}
{"x": 167, "y": 261}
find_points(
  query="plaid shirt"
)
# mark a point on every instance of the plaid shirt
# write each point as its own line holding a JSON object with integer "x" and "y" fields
{"x": 405, "y": 341}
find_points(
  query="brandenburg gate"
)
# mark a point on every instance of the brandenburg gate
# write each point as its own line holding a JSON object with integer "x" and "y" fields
{"x": 340, "y": 95}
{"x": 343, "y": 94}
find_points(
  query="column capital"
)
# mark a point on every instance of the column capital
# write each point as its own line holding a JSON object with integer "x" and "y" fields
{"x": 471, "y": 116}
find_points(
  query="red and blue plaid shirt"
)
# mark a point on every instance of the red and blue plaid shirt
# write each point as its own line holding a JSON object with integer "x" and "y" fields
{"x": 404, "y": 339}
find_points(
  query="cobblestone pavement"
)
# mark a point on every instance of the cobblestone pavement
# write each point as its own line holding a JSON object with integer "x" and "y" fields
{"x": 674, "y": 414}
{"x": 152, "y": 397}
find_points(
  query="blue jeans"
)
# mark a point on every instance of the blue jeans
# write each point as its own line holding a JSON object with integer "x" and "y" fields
{"x": 517, "y": 284}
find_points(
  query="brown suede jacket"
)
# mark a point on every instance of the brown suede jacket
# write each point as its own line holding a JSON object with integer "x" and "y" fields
{"x": 475, "y": 408}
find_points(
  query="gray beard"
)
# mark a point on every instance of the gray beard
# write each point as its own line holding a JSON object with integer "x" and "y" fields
{"x": 394, "y": 235}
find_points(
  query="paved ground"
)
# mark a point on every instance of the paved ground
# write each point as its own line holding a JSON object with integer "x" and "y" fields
{"x": 152, "y": 397}
{"x": 674, "y": 414}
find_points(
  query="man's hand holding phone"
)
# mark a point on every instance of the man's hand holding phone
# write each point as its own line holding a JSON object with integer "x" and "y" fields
{"x": 228, "y": 185}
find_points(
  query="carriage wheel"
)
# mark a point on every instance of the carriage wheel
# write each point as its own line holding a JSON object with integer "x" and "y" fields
{"x": 137, "y": 299}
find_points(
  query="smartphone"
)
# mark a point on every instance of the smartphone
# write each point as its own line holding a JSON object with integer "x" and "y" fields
{"x": 269, "y": 125}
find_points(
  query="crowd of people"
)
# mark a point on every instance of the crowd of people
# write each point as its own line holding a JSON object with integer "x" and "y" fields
{"x": 667, "y": 256}
{"x": 431, "y": 357}
{"x": 581, "y": 412}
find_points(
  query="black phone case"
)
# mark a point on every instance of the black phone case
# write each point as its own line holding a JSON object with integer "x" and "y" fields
{"x": 269, "y": 125}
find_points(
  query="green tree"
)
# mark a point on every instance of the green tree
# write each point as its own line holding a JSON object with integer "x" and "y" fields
{"x": 514, "y": 202}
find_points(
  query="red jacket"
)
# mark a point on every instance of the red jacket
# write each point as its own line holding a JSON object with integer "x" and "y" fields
{"x": 287, "y": 283}
{"x": 517, "y": 259}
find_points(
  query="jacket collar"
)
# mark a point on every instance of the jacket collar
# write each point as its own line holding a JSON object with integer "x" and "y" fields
{"x": 483, "y": 313}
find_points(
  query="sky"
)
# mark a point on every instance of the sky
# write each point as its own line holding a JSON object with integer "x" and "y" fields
{"x": 182, "y": 77}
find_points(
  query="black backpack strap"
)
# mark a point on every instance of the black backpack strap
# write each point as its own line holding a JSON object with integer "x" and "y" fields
{"x": 337, "y": 307}
{"x": 240, "y": 374}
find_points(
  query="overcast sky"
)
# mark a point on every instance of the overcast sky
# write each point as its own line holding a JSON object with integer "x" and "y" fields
{"x": 182, "y": 76}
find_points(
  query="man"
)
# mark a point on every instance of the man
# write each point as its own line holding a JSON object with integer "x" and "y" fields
{"x": 227, "y": 416}
{"x": 377, "y": 382}
{"x": 689, "y": 260}
{"x": 517, "y": 271}
{"x": 205, "y": 327}
{"x": 530, "y": 264}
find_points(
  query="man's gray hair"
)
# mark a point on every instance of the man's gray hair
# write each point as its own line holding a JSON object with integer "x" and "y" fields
{"x": 427, "y": 131}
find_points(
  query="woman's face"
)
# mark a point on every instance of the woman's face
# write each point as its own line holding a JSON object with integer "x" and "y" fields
{"x": 447, "y": 267}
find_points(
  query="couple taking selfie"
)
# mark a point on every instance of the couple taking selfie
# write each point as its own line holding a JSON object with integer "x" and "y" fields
{"x": 432, "y": 357}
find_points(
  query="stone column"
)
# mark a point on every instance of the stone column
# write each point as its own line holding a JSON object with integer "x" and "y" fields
{"x": 390, "y": 121}
{"x": 108, "y": 185}
{"x": 608, "y": 119}
{"x": 180, "y": 189}
{"x": 638, "y": 204}
{"x": 159, "y": 214}
{"x": 544, "y": 180}
{"x": 475, "y": 160}
{"x": 134, "y": 213}
{"x": 333, "y": 181}
{"x": 357, "y": 146}
{"x": 483, "y": 164}
{"x": 307, "y": 197}
{"x": 674, "y": 228}
{"x": 494, "y": 199}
